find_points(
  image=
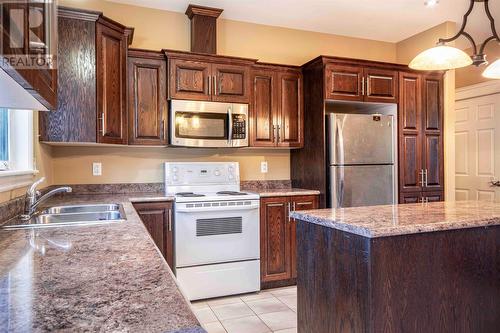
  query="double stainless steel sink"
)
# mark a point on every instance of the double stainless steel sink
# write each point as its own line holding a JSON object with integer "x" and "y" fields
{"x": 74, "y": 215}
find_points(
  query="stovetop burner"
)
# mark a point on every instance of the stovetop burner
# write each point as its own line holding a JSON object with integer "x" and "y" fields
{"x": 189, "y": 195}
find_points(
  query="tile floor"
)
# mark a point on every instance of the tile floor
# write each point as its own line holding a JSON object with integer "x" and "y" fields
{"x": 273, "y": 310}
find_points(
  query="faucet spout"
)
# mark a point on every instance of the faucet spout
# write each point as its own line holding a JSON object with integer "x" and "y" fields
{"x": 32, "y": 200}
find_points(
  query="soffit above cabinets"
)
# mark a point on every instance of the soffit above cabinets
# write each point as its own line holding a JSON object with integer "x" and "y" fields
{"x": 372, "y": 17}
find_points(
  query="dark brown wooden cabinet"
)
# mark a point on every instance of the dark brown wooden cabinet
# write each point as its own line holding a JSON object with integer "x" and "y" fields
{"x": 26, "y": 39}
{"x": 358, "y": 83}
{"x": 147, "y": 98}
{"x": 276, "y": 108}
{"x": 421, "y": 137}
{"x": 111, "y": 51}
{"x": 92, "y": 72}
{"x": 277, "y": 238}
{"x": 202, "y": 77}
{"x": 157, "y": 217}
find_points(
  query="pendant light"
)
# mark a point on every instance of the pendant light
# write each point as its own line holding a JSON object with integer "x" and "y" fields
{"x": 443, "y": 57}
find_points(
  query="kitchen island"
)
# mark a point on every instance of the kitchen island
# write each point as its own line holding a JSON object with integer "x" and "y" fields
{"x": 432, "y": 267}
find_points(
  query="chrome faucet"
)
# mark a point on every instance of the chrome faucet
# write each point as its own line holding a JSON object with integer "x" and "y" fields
{"x": 34, "y": 198}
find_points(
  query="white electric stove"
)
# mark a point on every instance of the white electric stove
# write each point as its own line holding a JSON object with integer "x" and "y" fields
{"x": 216, "y": 232}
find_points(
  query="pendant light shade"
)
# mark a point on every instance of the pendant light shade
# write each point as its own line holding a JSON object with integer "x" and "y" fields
{"x": 493, "y": 70}
{"x": 441, "y": 57}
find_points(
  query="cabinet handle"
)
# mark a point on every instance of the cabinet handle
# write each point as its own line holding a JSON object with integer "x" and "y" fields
{"x": 215, "y": 86}
{"x": 367, "y": 86}
{"x": 209, "y": 80}
{"x": 425, "y": 173}
{"x": 275, "y": 205}
{"x": 303, "y": 203}
{"x": 162, "y": 130}
{"x": 422, "y": 177}
{"x": 363, "y": 86}
{"x": 169, "y": 220}
{"x": 102, "y": 124}
{"x": 277, "y": 133}
{"x": 273, "y": 135}
{"x": 289, "y": 211}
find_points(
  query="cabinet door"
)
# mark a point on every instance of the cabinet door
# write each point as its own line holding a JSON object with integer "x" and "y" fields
{"x": 275, "y": 239}
{"x": 291, "y": 116}
{"x": 432, "y": 92}
{"x": 344, "y": 82}
{"x": 189, "y": 80}
{"x": 111, "y": 49}
{"x": 147, "y": 101}
{"x": 410, "y": 137}
{"x": 157, "y": 217}
{"x": 231, "y": 83}
{"x": 381, "y": 85}
{"x": 410, "y": 197}
{"x": 305, "y": 202}
{"x": 263, "y": 108}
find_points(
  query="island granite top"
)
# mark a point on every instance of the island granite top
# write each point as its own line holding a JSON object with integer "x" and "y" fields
{"x": 106, "y": 278}
{"x": 392, "y": 220}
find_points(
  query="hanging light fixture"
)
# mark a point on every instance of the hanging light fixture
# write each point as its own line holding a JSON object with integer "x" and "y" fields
{"x": 442, "y": 57}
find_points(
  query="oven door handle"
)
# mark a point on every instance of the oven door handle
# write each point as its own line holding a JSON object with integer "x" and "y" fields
{"x": 215, "y": 209}
{"x": 230, "y": 134}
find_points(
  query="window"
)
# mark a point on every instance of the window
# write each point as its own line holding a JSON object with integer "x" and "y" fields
{"x": 16, "y": 141}
{"x": 4, "y": 139}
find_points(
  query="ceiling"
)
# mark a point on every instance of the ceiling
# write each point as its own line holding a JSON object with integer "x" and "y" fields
{"x": 385, "y": 20}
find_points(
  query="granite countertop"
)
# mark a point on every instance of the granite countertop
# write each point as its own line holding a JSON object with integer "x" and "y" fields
{"x": 106, "y": 278}
{"x": 281, "y": 192}
{"x": 391, "y": 220}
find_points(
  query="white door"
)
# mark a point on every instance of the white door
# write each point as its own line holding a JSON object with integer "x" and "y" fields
{"x": 477, "y": 146}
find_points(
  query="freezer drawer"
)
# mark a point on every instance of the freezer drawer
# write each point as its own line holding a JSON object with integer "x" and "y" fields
{"x": 361, "y": 185}
{"x": 218, "y": 280}
{"x": 360, "y": 139}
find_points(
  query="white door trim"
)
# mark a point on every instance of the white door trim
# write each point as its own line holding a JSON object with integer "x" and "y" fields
{"x": 478, "y": 90}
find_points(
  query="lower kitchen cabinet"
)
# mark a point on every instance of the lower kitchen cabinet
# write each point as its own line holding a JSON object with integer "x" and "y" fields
{"x": 277, "y": 238}
{"x": 157, "y": 217}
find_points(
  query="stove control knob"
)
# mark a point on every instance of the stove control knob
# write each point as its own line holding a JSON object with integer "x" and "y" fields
{"x": 175, "y": 178}
{"x": 217, "y": 172}
{"x": 231, "y": 176}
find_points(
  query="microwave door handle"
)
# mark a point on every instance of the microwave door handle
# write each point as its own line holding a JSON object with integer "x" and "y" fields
{"x": 230, "y": 134}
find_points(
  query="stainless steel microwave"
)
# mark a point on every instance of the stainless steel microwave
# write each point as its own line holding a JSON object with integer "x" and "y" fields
{"x": 208, "y": 124}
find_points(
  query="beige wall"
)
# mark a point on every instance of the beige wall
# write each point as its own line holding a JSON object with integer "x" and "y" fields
{"x": 472, "y": 75}
{"x": 137, "y": 164}
{"x": 155, "y": 29}
{"x": 408, "y": 49}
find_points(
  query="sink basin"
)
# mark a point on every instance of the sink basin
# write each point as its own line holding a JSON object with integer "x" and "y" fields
{"x": 82, "y": 209}
{"x": 71, "y": 216}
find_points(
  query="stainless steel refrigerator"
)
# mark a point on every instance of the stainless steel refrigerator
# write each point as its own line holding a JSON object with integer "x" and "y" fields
{"x": 362, "y": 156}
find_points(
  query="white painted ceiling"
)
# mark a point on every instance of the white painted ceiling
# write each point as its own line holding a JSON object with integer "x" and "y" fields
{"x": 385, "y": 20}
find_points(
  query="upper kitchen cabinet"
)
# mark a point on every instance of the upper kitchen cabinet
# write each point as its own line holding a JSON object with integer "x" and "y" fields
{"x": 111, "y": 51}
{"x": 29, "y": 47}
{"x": 92, "y": 76}
{"x": 147, "y": 98}
{"x": 360, "y": 81}
{"x": 276, "y": 107}
{"x": 202, "y": 77}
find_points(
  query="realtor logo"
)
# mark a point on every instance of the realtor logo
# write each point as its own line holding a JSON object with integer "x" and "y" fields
{"x": 28, "y": 38}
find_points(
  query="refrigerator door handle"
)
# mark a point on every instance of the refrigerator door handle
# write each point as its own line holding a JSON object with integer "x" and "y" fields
{"x": 339, "y": 126}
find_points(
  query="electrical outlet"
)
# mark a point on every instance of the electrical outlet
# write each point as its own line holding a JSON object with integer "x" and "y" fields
{"x": 97, "y": 169}
{"x": 263, "y": 167}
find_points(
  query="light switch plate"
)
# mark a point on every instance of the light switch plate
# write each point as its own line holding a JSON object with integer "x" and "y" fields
{"x": 263, "y": 167}
{"x": 97, "y": 169}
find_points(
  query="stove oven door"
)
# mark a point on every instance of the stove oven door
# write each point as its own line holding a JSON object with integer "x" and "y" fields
{"x": 216, "y": 232}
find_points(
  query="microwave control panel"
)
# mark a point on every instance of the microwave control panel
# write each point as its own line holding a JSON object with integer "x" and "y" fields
{"x": 239, "y": 126}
